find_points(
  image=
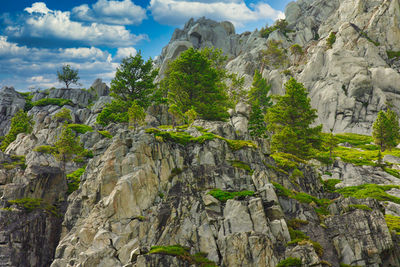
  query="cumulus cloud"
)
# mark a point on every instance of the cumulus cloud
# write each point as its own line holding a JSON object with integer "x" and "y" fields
{"x": 177, "y": 12}
{"x": 111, "y": 12}
{"x": 24, "y": 67}
{"x": 43, "y": 23}
{"x": 125, "y": 52}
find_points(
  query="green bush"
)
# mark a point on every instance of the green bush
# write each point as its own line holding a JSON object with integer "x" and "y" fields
{"x": 198, "y": 259}
{"x": 331, "y": 40}
{"x": 52, "y": 101}
{"x": 223, "y": 196}
{"x": 290, "y": 262}
{"x": 329, "y": 185}
{"x": 46, "y": 149}
{"x": 74, "y": 179}
{"x": 393, "y": 54}
{"x": 80, "y": 128}
{"x": 393, "y": 223}
{"x": 28, "y": 100}
{"x": 20, "y": 123}
{"x": 63, "y": 115}
{"x": 242, "y": 165}
{"x": 16, "y": 161}
{"x": 116, "y": 111}
{"x": 377, "y": 192}
{"x": 358, "y": 207}
{"x": 30, "y": 204}
{"x": 106, "y": 134}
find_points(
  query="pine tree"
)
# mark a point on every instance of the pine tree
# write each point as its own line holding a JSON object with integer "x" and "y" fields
{"x": 66, "y": 146}
{"x": 68, "y": 75}
{"x": 193, "y": 81}
{"x": 259, "y": 102}
{"x": 136, "y": 115}
{"x": 289, "y": 121}
{"x": 386, "y": 130}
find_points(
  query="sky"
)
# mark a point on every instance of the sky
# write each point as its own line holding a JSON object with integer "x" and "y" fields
{"x": 93, "y": 36}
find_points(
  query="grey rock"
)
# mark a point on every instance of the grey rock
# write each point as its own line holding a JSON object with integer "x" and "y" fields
{"x": 100, "y": 88}
{"x": 10, "y": 102}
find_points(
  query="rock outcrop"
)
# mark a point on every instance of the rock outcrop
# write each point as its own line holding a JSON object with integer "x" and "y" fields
{"x": 10, "y": 102}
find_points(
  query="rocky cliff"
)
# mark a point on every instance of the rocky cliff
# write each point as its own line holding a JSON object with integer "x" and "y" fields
{"x": 208, "y": 194}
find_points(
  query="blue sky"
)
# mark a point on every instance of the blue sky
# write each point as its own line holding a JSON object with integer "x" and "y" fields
{"x": 37, "y": 38}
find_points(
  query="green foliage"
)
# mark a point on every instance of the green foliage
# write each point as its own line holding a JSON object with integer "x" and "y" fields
{"x": 242, "y": 165}
{"x": 196, "y": 80}
{"x": 358, "y": 207}
{"x": 355, "y": 140}
{"x": 259, "y": 102}
{"x": 287, "y": 161}
{"x": 393, "y": 54}
{"x": 20, "y": 123}
{"x": 80, "y": 128}
{"x": 289, "y": 120}
{"x": 274, "y": 55}
{"x": 297, "y": 51}
{"x": 68, "y": 75}
{"x": 16, "y": 161}
{"x": 377, "y": 192}
{"x": 136, "y": 114}
{"x": 28, "y": 100}
{"x": 296, "y": 223}
{"x": 321, "y": 204}
{"x": 30, "y": 204}
{"x": 63, "y": 115}
{"x": 46, "y": 149}
{"x": 331, "y": 40}
{"x": 134, "y": 80}
{"x": 52, "y": 101}
{"x": 74, "y": 179}
{"x": 106, "y": 134}
{"x": 280, "y": 25}
{"x": 393, "y": 223}
{"x": 115, "y": 111}
{"x": 236, "y": 90}
{"x": 183, "y": 253}
{"x": 386, "y": 130}
{"x": 348, "y": 265}
{"x": 365, "y": 35}
{"x": 329, "y": 185}
{"x": 223, "y": 196}
{"x": 290, "y": 262}
{"x": 66, "y": 146}
{"x": 185, "y": 138}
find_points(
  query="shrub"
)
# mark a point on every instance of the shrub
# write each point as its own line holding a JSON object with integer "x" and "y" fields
{"x": 63, "y": 115}
{"x": 198, "y": 259}
{"x": 74, "y": 179}
{"x": 80, "y": 128}
{"x": 46, "y": 149}
{"x": 290, "y": 262}
{"x": 106, "y": 134}
{"x": 331, "y": 40}
{"x": 393, "y": 223}
{"x": 30, "y": 204}
{"x": 52, "y": 101}
{"x": 116, "y": 111}
{"x": 20, "y": 123}
{"x": 242, "y": 165}
{"x": 393, "y": 54}
{"x": 223, "y": 196}
{"x": 377, "y": 192}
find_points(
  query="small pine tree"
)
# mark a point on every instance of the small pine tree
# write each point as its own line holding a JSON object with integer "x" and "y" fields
{"x": 136, "y": 115}
{"x": 289, "y": 121}
{"x": 331, "y": 142}
{"x": 66, "y": 146}
{"x": 68, "y": 75}
{"x": 273, "y": 56}
{"x": 297, "y": 51}
{"x": 64, "y": 115}
{"x": 190, "y": 116}
{"x": 386, "y": 130}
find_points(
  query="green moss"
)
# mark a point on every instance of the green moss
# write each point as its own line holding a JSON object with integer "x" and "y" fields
{"x": 331, "y": 40}
{"x": 185, "y": 138}
{"x": 321, "y": 204}
{"x": 329, "y": 185}
{"x": 28, "y": 100}
{"x": 300, "y": 238}
{"x": 354, "y": 140}
{"x": 392, "y": 172}
{"x": 74, "y": 179}
{"x": 80, "y": 128}
{"x": 348, "y": 265}
{"x": 287, "y": 161}
{"x": 359, "y": 207}
{"x": 290, "y": 262}
{"x": 52, "y": 101}
{"x": 64, "y": 115}
{"x": 393, "y": 54}
{"x": 393, "y": 223}
{"x": 225, "y": 195}
{"x": 377, "y": 192}
{"x": 16, "y": 161}
{"x": 46, "y": 149}
{"x": 241, "y": 165}
{"x": 30, "y": 204}
{"x": 198, "y": 259}
{"x": 106, "y": 134}
{"x": 277, "y": 169}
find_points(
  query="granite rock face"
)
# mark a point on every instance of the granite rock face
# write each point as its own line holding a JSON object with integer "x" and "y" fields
{"x": 10, "y": 102}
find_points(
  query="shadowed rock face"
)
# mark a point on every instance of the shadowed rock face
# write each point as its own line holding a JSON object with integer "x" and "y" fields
{"x": 10, "y": 102}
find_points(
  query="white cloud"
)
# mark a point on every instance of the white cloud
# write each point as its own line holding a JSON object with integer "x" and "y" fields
{"x": 176, "y": 12}
{"x": 125, "y": 52}
{"x": 24, "y": 67}
{"x": 111, "y": 12}
{"x": 38, "y": 7}
{"x": 58, "y": 25}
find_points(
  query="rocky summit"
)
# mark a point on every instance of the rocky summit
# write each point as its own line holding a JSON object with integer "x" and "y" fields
{"x": 209, "y": 193}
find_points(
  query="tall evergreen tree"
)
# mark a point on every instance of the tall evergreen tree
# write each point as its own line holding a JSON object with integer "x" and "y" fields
{"x": 386, "y": 130}
{"x": 192, "y": 81}
{"x": 289, "y": 121}
{"x": 259, "y": 102}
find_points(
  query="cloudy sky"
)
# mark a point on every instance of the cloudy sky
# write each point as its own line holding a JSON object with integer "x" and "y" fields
{"x": 37, "y": 38}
